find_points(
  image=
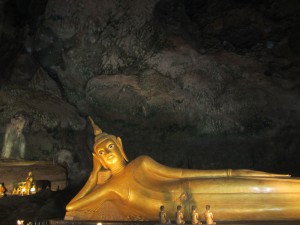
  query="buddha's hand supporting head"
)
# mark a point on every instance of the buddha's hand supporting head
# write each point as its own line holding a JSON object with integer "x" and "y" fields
{"x": 96, "y": 163}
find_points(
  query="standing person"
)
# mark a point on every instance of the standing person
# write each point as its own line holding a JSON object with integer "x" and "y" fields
{"x": 163, "y": 216}
{"x": 209, "y": 216}
{"x": 195, "y": 216}
{"x": 179, "y": 216}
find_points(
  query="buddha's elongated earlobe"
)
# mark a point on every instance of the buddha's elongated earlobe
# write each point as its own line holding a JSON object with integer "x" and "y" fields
{"x": 119, "y": 143}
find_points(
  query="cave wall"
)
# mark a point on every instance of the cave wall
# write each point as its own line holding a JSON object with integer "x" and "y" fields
{"x": 194, "y": 84}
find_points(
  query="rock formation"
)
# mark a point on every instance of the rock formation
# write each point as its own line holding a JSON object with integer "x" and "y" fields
{"x": 219, "y": 78}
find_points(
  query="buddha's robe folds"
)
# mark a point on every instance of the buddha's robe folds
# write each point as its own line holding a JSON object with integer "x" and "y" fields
{"x": 144, "y": 185}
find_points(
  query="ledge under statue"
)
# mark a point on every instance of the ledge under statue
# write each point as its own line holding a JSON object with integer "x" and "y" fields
{"x": 118, "y": 190}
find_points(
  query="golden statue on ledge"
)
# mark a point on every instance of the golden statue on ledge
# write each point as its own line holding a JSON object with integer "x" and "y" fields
{"x": 195, "y": 216}
{"x": 120, "y": 191}
{"x": 163, "y": 216}
{"x": 26, "y": 187}
{"x": 2, "y": 190}
{"x": 209, "y": 216}
{"x": 179, "y": 216}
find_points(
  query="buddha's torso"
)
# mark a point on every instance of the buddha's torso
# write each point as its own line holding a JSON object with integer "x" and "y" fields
{"x": 139, "y": 192}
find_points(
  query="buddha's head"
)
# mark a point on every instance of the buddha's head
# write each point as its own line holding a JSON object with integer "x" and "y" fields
{"x": 108, "y": 149}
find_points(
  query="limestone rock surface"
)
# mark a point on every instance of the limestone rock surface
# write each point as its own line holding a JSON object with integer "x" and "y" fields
{"x": 189, "y": 83}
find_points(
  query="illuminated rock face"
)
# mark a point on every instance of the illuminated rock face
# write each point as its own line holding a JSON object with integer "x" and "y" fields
{"x": 221, "y": 75}
{"x": 14, "y": 141}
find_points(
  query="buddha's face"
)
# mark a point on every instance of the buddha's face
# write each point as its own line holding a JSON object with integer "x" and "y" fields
{"x": 108, "y": 153}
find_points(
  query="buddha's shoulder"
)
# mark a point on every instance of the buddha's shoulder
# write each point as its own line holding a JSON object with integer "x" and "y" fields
{"x": 143, "y": 160}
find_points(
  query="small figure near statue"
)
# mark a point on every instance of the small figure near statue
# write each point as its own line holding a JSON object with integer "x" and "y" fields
{"x": 30, "y": 184}
{"x": 163, "y": 216}
{"x": 209, "y": 216}
{"x": 195, "y": 219}
{"x": 179, "y": 216}
{"x": 195, "y": 216}
{"x": 26, "y": 187}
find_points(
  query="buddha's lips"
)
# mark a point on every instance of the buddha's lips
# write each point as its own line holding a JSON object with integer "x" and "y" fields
{"x": 110, "y": 156}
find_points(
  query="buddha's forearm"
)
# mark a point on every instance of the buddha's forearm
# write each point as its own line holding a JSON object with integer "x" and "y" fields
{"x": 179, "y": 173}
{"x": 90, "y": 184}
{"x": 254, "y": 173}
{"x": 80, "y": 198}
{"x": 188, "y": 173}
{"x": 80, "y": 203}
{"x": 169, "y": 172}
{"x": 91, "y": 200}
{"x": 228, "y": 173}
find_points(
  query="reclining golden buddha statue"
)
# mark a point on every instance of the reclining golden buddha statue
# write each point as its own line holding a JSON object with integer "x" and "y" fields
{"x": 120, "y": 191}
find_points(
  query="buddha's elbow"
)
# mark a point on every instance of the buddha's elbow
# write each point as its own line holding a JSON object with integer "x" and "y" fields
{"x": 70, "y": 207}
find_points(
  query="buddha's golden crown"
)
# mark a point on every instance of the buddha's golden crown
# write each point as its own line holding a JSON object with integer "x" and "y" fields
{"x": 99, "y": 134}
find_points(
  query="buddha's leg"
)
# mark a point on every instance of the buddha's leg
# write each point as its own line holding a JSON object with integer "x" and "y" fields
{"x": 247, "y": 198}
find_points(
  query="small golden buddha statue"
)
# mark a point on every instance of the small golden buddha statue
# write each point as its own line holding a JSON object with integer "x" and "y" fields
{"x": 195, "y": 216}
{"x": 2, "y": 190}
{"x": 120, "y": 191}
{"x": 26, "y": 187}
{"x": 29, "y": 178}
{"x": 163, "y": 216}
{"x": 179, "y": 216}
{"x": 209, "y": 216}
{"x": 30, "y": 186}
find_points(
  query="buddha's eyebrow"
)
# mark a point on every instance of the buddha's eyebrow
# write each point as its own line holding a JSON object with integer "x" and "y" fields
{"x": 109, "y": 143}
